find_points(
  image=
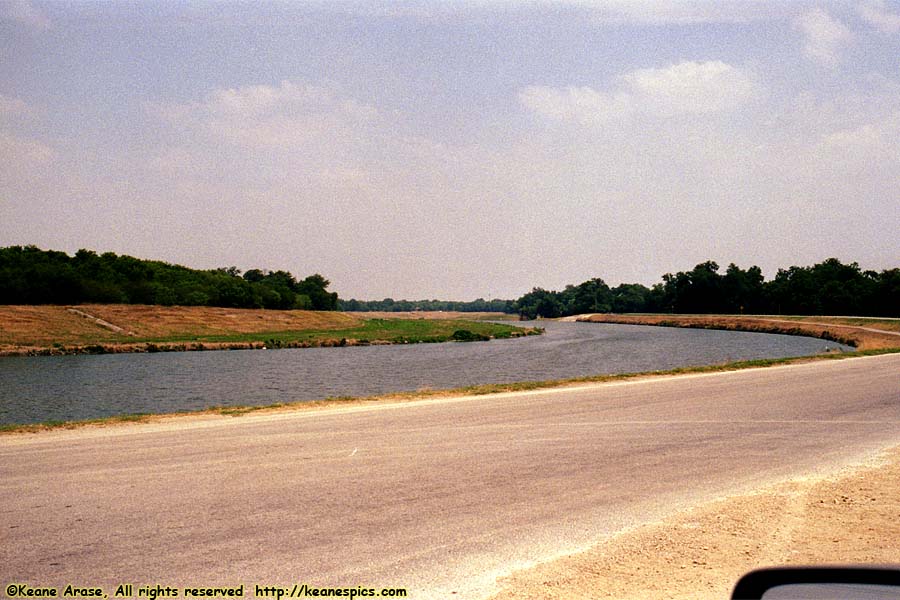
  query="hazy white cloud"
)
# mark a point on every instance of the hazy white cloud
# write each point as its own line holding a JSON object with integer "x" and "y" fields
{"x": 876, "y": 14}
{"x": 21, "y": 155}
{"x": 22, "y": 158}
{"x": 287, "y": 97}
{"x": 289, "y": 114}
{"x": 28, "y": 151}
{"x": 23, "y": 12}
{"x": 582, "y": 105}
{"x": 876, "y": 141}
{"x": 686, "y": 88}
{"x": 292, "y": 140}
{"x": 253, "y": 101}
{"x": 824, "y": 36}
{"x": 10, "y": 106}
{"x": 692, "y": 87}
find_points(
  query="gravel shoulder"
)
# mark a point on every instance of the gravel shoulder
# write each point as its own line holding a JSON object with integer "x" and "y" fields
{"x": 852, "y": 516}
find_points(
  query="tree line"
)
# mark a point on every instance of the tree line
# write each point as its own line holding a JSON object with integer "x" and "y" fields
{"x": 826, "y": 288}
{"x": 391, "y": 305}
{"x": 29, "y": 275}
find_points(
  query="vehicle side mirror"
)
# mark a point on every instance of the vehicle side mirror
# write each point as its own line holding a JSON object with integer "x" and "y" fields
{"x": 819, "y": 583}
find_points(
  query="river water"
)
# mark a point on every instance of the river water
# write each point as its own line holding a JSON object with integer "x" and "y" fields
{"x": 45, "y": 388}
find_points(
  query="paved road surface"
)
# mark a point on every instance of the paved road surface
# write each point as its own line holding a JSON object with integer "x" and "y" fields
{"x": 437, "y": 497}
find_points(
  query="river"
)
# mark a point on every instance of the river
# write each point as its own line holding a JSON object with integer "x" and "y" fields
{"x": 61, "y": 388}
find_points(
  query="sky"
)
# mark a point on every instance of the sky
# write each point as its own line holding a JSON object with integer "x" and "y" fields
{"x": 454, "y": 150}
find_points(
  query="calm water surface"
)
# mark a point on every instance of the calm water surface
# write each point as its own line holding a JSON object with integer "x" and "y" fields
{"x": 34, "y": 389}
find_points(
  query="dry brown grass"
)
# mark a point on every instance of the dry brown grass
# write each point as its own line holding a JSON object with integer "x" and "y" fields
{"x": 43, "y": 326}
{"x": 833, "y": 328}
{"x": 875, "y": 323}
{"x": 170, "y": 321}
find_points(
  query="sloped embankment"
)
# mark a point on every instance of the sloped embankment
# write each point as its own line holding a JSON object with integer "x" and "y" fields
{"x": 864, "y": 334}
{"x": 113, "y": 328}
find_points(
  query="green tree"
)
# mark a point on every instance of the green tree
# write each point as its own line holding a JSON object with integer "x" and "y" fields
{"x": 630, "y": 298}
{"x": 743, "y": 290}
{"x": 539, "y": 303}
{"x": 591, "y": 296}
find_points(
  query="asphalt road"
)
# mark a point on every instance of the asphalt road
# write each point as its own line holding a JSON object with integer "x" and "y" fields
{"x": 439, "y": 497}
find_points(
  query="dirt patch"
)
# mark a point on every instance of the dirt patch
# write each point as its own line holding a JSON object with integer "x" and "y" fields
{"x": 874, "y": 335}
{"x": 850, "y": 517}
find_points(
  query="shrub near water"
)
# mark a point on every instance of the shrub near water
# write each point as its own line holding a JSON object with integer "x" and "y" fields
{"x": 464, "y": 335}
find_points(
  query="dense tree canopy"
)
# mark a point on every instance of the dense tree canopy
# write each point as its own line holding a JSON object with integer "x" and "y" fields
{"x": 29, "y": 275}
{"x": 827, "y": 288}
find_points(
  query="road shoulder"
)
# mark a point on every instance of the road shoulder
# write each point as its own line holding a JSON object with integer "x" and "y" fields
{"x": 852, "y": 516}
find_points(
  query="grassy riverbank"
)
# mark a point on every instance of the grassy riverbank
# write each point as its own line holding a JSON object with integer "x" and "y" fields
{"x": 100, "y": 328}
{"x": 861, "y": 333}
